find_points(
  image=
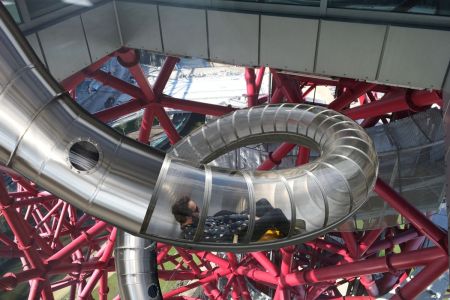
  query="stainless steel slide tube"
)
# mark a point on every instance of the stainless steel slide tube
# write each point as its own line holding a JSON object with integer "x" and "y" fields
{"x": 314, "y": 198}
{"x": 49, "y": 139}
{"x": 136, "y": 277}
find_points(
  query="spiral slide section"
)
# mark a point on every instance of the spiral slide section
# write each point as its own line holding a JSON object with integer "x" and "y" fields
{"x": 49, "y": 139}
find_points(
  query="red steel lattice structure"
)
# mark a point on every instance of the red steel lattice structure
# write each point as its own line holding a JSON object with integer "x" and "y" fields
{"x": 52, "y": 238}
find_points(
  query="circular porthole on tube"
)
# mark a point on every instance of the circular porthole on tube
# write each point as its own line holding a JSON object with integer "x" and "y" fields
{"x": 84, "y": 156}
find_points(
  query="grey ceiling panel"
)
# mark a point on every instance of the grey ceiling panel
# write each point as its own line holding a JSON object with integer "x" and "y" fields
{"x": 139, "y": 25}
{"x": 33, "y": 40}
{"x": 349, "y": 49}
{"x": 184, "y": 31}
{"x": 415, "y": 57}
{"x": 65, "y": 48}
{"x": 233, "y": 37}
{"x": 101, "y": 30}
{"x": 288, "y": 43}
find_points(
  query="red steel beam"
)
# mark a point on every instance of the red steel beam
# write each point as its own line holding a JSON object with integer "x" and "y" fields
{"x": 78, "y": 242}
{"x": 121, "y": 110}
{"x": 167, "y": 124}
{"x": 73, "y": 81}
{"x": 259, "y": 79}
{"x": 129, "y": 58}
{"x": 164, "y": 75}
{"x": 302, "y": 156}
{"x": 351, "y": 95}
{"x": 422, "y": 280}
{"x": 146, "y": 125}
{"x": 250, "y": 79}
{"x": 276, "y": 156}
{"x": 412, "y": 214}
{"x": 150, "y": 112}
{"x": 289, "y": 90}
{"x": 194, "y": 106}
{"x": 398, "y": 100}
{"x": 118, "y": 84}
{"x": 388, "y": 263}
{"x": 277, "y": 96}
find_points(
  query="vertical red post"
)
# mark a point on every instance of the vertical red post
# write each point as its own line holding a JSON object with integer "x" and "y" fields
{"x": 251, "y": 87}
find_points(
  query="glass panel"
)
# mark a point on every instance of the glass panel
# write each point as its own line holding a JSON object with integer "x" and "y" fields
{"x": 309, "y": 202}
{"x": 336, "y": 190}
{"x": 181, "y": 181}
{"x": 228, "y": 217}
{"x": 11, "y": 6}
{"x": 42, "y": 7}
{"x": 273, "y": 207}
{"x": 429, "y": 7}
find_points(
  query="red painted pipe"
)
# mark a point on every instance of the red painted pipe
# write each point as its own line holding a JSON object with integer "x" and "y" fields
{"x": 251, "y": 86}
{"x": 121, "y": 110}
{"x": 368, "y": 239}
{"x": 98, "y": 273}
{"x": 422, "y": 280}
{"x": 276, "y": 156}
{"x": 194, "y": 106}
{"x": 259, "y": 79}
{"x": 391, "y": 242}
{"x": 309, "y": 90}
{"x": 277, "y": 96}
{"x": 167, "y": 124}
{"x": 146, "y": 125}
{"x": 78, "y": 242}
{"x": 73, "y": 81}
{"x": 129, "y": 59}
{"x": 389, "y": 263}
{"x": 389, "y": 280}
{"x": 406, "y": 209}
{"x": 351, "y": 95}
{"x": 394, "y": 101}
{"x": 262, "y": 259}
{"x": 302, "y": 156}
{"x": 118, "y": 84}
{"x": 164, "y": 75}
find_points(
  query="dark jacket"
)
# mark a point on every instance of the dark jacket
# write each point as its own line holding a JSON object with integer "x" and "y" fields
{"x": 219, "y": 228}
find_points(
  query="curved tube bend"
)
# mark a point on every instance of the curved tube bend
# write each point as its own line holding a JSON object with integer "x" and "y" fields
{"x": 314, "y": 198}
{"x": 49, "y": 139}
{"x": 46, "y": 137}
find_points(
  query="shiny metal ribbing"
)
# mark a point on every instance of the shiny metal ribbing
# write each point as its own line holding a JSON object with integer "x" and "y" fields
{"x": 135, "y": 269}
{"x": 40, "y": 126}
{"x": 48, "y": 138}
{"x": 315, "y": 197}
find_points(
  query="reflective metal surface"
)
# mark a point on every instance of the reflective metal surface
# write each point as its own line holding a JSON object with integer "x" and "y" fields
{"x": 39, "y": 125}
{"x": 48, "y": 138}
{"x": 135, "y": 272}
{"x": 304, "y": 201}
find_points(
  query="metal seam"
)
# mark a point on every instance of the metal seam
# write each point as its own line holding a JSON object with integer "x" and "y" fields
{"x": 205, "y": 208}
{"x": 346, "y": 183}
{"x": 151, "y": 206}
{"x": 293, "y": 206}
{"x": 251, "y": 207}
{"x": 325, "y": 199}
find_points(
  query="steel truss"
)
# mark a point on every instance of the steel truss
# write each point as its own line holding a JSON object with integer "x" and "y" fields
{"x": 50, "y": 237}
